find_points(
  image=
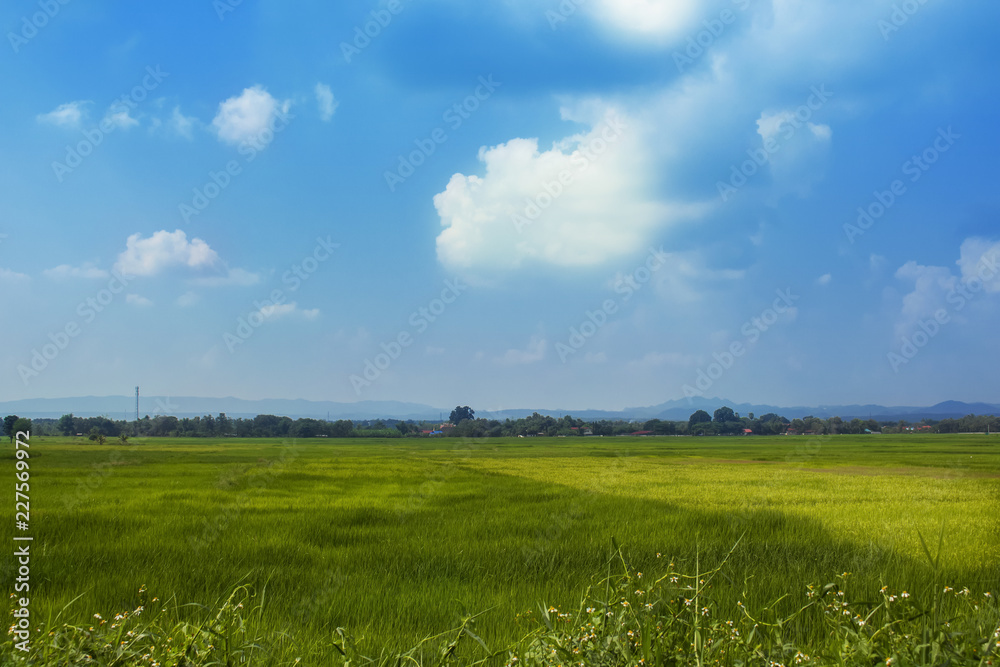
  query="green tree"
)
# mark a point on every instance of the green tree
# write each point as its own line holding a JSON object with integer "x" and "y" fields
{"x": 460, "y": 414}
{"x": 836, "y": 424}
{"x": 97, "y": 436}
{"x": 699, "y": 417}
{"x": 66, "y": 425}
{"x": 948, "y": 426}
{"x": 22, "y": 425}
{"x": 723, "y": 415}
{"x": 8, "y": 426}
{"x": 407, "y": 428}
{"x": 342, "y": 428}
{"x": 223, "y": 424}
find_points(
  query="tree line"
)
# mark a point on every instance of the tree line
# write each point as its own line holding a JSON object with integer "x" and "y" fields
{"x": 464, "y": 423}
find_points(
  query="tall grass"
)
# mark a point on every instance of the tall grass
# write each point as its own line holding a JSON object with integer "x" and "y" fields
{"x": 399, "y": 540}
{"x": 664, "y": 617}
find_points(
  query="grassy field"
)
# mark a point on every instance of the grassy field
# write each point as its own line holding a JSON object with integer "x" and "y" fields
{"x": 398, "y": 539}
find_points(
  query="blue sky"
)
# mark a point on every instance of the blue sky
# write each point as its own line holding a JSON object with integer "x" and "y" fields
{"x": 592, "y": 204}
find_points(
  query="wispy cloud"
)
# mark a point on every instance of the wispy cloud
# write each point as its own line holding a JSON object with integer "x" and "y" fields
{"x": 8, "y": 276}
{"x": 183, "y": 126}
{"x": 87, "y": 271}
{"x": 232, "y": 278}
{"x": 137, "y": 300}
{"x": 65, "y": 115}
{"x": 278, "y": 311}
{"x": 534, "y": 352}
{"x": 326, "y": 101}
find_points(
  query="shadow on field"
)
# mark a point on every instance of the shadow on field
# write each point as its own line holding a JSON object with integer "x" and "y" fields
{"x": 398, "y": 549}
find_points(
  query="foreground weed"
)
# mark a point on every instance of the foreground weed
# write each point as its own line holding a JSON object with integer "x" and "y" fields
{"x": 678, "y": 616}
{"x": 631, "y": 619}
{"x": 151, "y": 635}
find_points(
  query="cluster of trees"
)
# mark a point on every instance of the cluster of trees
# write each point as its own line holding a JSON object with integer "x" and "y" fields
{"x": 463, "y": 423}
{"x": 967, "y": 424}
{"x": 12, "y": 425}
{"x": 727, "y": 422}
{"x": 261, "y": 426}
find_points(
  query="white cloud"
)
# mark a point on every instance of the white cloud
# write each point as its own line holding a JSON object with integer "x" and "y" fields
{"x": 931, "y": 285}
{"x": 65, "y": 115}
{"x": 245, "y": 117}
{"x": 937, "y": 287}
{"x": 188, "y": 299}
{"x": 182, "y": 125}
{"x": 979, "y": 259}
{"x": 232, "y": 278}
{"x": 277, "y": 311}
{"x": 8, "y": 276}
{"x": 824, "y": 279}
{"x": 821, "y": 131}
{"x": 799, "y": 160}
{"x": 66, "y": 272}
{"x": 327, "y": 103}
{"x": 656, "y": 19}
{"x": 685, "y": 276}
{"x": 136, "y": 300}
{"x": 583, "y": 202}
{"x": 120, "y": 119}
{"x": 533, "y": 353}
{"x": 164, "y": 250}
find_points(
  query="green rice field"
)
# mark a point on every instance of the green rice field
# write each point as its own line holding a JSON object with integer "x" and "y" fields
{"x": 400, "y": 539}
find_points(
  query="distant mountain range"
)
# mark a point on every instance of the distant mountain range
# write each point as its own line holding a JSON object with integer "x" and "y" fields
{"x": 123, "y": 407}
